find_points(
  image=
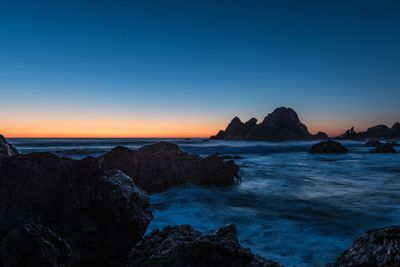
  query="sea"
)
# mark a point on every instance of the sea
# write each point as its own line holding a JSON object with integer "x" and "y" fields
{"x": 296, "y": 208}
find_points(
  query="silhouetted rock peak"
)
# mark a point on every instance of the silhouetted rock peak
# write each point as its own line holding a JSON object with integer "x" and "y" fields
{"x": 6, "y": 149}
{"x": 378, "y": 131}
{"x": 280, "y": 125}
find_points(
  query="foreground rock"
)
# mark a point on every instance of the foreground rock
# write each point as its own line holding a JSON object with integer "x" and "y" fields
{"x": 34, "y": 245}
{"x": 6, "y": 149}
{"x": 99, "y": 214}
{"x": 282, "y": 124}
{"x": 384, "y": 148}
{"x": 378, "y": 131}
{"x": 183, "y": 246}
{"x": 160, "y": 166}
{"x": 378, "y": 248}
{"x": 328, "y": 147}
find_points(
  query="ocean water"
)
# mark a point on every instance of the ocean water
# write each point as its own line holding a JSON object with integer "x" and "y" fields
{"x": 293, "y": 207}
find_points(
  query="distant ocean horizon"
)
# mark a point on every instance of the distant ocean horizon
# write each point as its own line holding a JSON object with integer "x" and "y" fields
{"x": 293, "y": 207}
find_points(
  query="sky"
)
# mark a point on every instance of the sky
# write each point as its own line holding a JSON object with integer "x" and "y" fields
{"x": 186, "y": 68}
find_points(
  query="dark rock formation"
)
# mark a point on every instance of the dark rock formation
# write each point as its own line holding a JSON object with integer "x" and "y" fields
{"x": 378, "y": 248}
{"x": 282, "y": 124}
{"x": 34, "y": 245}
{"x": 328, "y": 146}
{"x": 6, "y": 149}
{"x": 379, "y": 131}
{"x": 101, "y": 214}
{"x": 181, "y": 246}
{"x": 159, "y": 166}
{"x": 320, "y": 136}
{"x": 384, "y": 148}
{"x": 372, "y": 143}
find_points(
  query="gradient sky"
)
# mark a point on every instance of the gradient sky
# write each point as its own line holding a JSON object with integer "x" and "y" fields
{"x": 186, "y": 68}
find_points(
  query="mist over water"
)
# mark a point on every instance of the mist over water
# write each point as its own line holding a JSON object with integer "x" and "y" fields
{"x": 296, "y": 208}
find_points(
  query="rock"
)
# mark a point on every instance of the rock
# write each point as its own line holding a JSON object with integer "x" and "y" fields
{"x": 378, "y": 248}
{"x": 34, "y": 245}
{"x": 384, "y": 148}
{"x": 377, "y": 131}
{"x": 282, "y": 124}
{"x": 320, "y": 136}
{"x": 395, "y": 130}
{"x": 6, "y": 149}
{"x": 183, "y": 246}
{"x": 160, "y": 166}
{"x": 101, "y": 214}
{"x": 350, "y": 134}
{"x": 372, "y": 143}
{"x": 328, "y": 147}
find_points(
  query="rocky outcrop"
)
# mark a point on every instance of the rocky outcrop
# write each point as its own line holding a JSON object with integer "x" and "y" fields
{"x": 328, "y": 146}
{"x": 378, "y": 248}
{"x": 34, "y": 245}
{"x": 6, "y": 149}
{"x": 384, "y": 148}
{"x": 100, "y": 214}
{"x": 378, "y": 131}
{"x": 160, "y": 166}
{"x": 282, "y": 124}
{"x": 373, "y": 143}
{"x": 183, "y": 246}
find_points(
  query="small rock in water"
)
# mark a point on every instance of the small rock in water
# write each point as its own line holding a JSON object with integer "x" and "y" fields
{"x": 384, "y": 148}
{"x": 373, "y": 143}
{"x": 328, "y": 147}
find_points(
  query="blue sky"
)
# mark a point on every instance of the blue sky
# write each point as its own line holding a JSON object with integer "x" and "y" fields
{"x": 335, "y": 62}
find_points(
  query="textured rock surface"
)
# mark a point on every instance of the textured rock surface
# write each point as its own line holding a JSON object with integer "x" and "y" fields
{"x": 6, "y": 149}
{"x": 34, "y": 245}
{"x": 100, "y": 213}
{"x": 160, "y": 166}
{"x": 282, "y": 124}
{"x": 328, "y": 147}
{"x": 378, "y": 248}
{"x": 183, "y": 246}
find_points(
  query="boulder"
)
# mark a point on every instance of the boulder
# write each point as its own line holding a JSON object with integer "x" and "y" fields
{"x": 281, "y": 125}
{"x": 101, "y": 214}
{"x": 384, "y": 148}
{"x": 378, "y": 248}
{"x": 328, "y": 146}
{"x": 162, "y": 165}
{"x": 182, "y": 246}
{"x": 320, "y": 136}
{"x": 34, "y": 245}
{"x": 377, "y": 131}
{"x": 6, "y": 149}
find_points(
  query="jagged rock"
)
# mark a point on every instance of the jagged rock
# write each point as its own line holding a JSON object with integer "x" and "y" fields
{"x": 328, "y": 146}
{"x": 6, "y": 149}
{"x": 320, "y": 136}
{"x": 282, "y": 124}
{"x": 384, "y": 148}
{"x": 378, "y": 248}
{"x": 372, "y": 143}
{"x": 379, "y": 131}
{"x": 181, "y": 246}
{"x": 101, "y": 214}
{"x": 34, "y": 245}
{"x": 160, "y": 166}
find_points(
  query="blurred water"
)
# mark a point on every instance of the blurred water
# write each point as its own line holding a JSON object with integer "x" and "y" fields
{"x": 296, "y": 208}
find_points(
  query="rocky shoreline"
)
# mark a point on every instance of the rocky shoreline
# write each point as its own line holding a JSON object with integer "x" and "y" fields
{"x": 55, "y": 211}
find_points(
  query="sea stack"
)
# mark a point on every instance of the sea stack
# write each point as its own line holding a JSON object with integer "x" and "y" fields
{"x": 281, "y": 125}
{"x": 6, "y": 149}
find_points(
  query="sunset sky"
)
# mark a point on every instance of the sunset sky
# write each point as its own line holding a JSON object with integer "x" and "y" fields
{"x": 186, "y": 68}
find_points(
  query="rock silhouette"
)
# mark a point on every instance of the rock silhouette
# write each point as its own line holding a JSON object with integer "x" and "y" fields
{"x": 328, "y": 146}
{"x": 384, "y": 148}
{"x": 282, "y": 124}
{"x": 6, "y": 149}
{"x": 375, "y": 132}
{"x": 100, "y": 214}
{"x": 162, "y": 165}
